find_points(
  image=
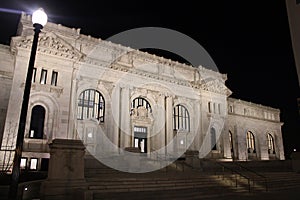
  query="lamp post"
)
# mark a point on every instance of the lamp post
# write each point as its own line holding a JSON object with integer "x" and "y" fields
{"x": 39, "y": 19}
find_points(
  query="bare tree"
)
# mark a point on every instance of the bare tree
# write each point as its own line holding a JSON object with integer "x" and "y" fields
{"x": 8, "y": 148}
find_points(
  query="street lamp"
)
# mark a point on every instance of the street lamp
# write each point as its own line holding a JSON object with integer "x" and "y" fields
{"x": 39, "y": 19}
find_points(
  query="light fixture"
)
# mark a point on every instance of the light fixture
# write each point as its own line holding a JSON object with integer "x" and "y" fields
{"x": 39, "y": 17}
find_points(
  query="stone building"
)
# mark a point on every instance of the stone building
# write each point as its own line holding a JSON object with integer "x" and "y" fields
{"x": 114, "y": 97}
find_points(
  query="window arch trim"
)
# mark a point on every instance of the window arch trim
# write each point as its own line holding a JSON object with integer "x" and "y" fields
{"x": 91, "y": 104}
{"x": 181, "y": 118}
{"x": 140, "y": 101}
{"x": 37, "y": 122}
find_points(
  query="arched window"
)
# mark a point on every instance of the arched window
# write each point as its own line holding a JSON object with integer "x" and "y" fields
{"x": 231, "y": 141}
{"x": 181, "y": 118}
{"x": 37, "y": 122}
{"x": 250, "y": 142}
{"x": 213, "y": 139}
{"x": 91, "y": 104}
{"x": 271, "y": 147}
{"x": 141, "y": 102}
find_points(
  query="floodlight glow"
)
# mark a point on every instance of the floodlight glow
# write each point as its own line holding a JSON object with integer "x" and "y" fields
{"x": 39, "y": 17}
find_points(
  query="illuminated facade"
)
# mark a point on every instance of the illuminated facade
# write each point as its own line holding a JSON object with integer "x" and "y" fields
{"x": 84, "y": 87}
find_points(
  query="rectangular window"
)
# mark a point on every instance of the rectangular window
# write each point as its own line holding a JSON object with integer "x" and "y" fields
{"x": 33, "y": 163}
{"x": 54, "y": 78}
{"x": 23, "y": 163}
{"x": 31, "y": 134}
{"x": 43, "y": 76}
{"x": 231, "y": 109}
{"x": 139, "y": 129}
{"x": 209, "y": 107}
{"x": 33, "y": 75}
{"x": 219, "y": 108}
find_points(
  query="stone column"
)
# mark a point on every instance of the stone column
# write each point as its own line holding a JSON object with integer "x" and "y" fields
{"x": 125, "y": 118}
{"x": 115, "y": 118}
{"x": 159, "y": 141}
{"x": 195, "y": 126}
{"x": 66, "y": 171}
{"x": 240, "y": 143}
{"x": 169, "y": 125}
{"x": 263, "y": 145}
{"x": 279, "y": 143}
{"x": 72, "y": 134}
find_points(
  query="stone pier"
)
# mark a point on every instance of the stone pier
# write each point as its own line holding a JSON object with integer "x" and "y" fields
{"x": 66, "y": 171}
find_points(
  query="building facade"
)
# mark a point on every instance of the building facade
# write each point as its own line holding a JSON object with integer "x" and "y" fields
{"x": 114, "y": 97}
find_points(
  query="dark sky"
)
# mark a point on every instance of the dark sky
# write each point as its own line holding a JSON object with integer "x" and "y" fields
{"x": 248, "y": 40}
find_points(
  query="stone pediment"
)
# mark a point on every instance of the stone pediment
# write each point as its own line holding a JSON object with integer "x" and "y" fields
{"x": 49, "y": 43}
{"x": 216, "y": 86}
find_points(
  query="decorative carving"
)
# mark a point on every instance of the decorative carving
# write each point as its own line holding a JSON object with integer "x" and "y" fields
{"x": 140, "y": 112}
{"x": 141, "y": 115}
{"x": 215, "y": 86}
{"x": 51, "y": 44}
{"x": 109, "y": 86}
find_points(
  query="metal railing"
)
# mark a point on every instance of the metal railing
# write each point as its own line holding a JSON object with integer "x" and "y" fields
{"x": 249, "y": 175}
{"x": 257, "y": 176}
{"x": 237, "y": 175}
{"x": 164, "y": 159}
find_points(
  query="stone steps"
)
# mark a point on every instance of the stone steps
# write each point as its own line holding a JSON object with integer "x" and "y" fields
{"x": 243, "y": 183}
{"x": 143, "y": 185}
{"x": 282, "y": 180}
{"x": 181, "y": 194}
{"x": 172, "y": 183}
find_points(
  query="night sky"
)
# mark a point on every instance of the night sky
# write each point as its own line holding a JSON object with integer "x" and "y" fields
{"x": 248, "y": 40}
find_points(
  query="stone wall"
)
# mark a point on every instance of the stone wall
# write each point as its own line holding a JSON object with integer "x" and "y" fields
{"x": 122, "y": 74}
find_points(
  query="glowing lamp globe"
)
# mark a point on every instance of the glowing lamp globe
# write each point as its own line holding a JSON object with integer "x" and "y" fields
{"x": 39, "y": 17}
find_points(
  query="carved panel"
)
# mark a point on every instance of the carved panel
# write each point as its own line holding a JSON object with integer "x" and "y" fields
{"x": 51, "y": 44}
{"x": 216, "y": 86}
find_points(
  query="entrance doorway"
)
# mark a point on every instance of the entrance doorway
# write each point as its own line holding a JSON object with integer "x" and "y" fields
{"x": 140, "y": 138}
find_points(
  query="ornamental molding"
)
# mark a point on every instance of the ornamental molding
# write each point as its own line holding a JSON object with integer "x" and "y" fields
{"x": 49, "y": 43}
{"x": 215, "y": 86}
{"x": 156, "y": 76}
{"x": 141, "y": 115}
